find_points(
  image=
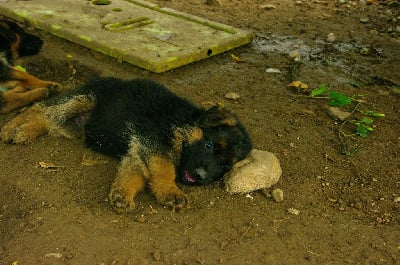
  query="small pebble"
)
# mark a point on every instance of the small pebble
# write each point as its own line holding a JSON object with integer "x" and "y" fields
{"x": 293, "y": 211}
{"x": 157, "y": 256}
{"x": 364, "y": 20}
{"x": 277, "y": 195}
{"x": 53, "y": 255}
{"x": 272, "y": 70}
{"x": 397, "y": 199}
{"x": 268, "y": 7}
{"x": 331, "y": 37}
{"x": 232, "y": 96}
{"x": 295, "y": 56}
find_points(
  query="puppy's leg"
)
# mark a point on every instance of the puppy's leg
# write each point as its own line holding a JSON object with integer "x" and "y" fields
{"x": 29, "y": 81}
{"x": 26, "y": 127}
{"x": 43, "y": 119}
{"x": 129, "y": 182}
{"x": 18, "y": 97}
{"x": 162, "y": 183}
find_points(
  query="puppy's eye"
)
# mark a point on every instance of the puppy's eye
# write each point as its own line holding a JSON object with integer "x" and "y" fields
{"x": 209, "y": 146}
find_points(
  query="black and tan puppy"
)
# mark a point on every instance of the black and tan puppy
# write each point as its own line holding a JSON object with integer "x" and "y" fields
{"x": 18, "y": 88}
{"x": 159, "y": 137}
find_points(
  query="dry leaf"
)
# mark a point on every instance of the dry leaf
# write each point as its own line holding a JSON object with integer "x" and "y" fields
{"x": 236, "y": 58}
{"x": 298, "y": 84}
{"x": 47, "y": 165}
{"x": 300, "y": 87}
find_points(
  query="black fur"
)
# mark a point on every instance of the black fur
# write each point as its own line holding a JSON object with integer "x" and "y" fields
{"x": 145, "y": 105}
{"x": 147, "y": 109}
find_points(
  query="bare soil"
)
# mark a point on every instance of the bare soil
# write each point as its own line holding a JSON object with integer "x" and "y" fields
{"x": 344, "y": 187}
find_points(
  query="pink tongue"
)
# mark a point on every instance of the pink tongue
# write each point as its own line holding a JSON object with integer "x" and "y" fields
{"x": 189, "y": 178}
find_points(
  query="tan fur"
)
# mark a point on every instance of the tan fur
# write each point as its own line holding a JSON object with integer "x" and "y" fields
{"x": 162, "y": 182}
{"x": 26, "y": 127}
{"x": 29, "y": 81}
{"x": 36, "y": 121}
{"x": 62, "y": 112}
{"x": 134, "y": 173}
{"x": 18, "y": 97}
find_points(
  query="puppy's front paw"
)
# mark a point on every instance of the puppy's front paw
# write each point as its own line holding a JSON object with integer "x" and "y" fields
{"x": 121, "y": 201}
{"x": 174, "y": 199}
{"x": 54, "y": 88}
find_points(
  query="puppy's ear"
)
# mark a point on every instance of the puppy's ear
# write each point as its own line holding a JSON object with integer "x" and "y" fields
{"x": 217, "y": 116}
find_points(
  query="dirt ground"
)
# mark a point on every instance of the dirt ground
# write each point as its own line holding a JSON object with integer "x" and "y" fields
{"x": 341, "y": 191}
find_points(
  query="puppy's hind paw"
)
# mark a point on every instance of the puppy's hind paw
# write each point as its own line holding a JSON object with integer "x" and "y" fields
{"x": 25, "y": 128}
{"x": 20, "y": 135}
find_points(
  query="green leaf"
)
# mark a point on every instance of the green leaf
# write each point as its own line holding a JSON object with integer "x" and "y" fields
{"x": 338, "y": 99}
{"x": 318, "y": 91}
{"x": 363, "y": 127}
{"x": 362, "y": 130}
{"x": 366, "y": 120}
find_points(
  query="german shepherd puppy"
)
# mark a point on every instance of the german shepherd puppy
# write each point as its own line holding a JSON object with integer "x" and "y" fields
{"x": 158, "y": 136}
{"x": 18, "y": 88}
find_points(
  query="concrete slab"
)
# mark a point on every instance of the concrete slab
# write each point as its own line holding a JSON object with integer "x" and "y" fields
{"x": 144, "y": 34}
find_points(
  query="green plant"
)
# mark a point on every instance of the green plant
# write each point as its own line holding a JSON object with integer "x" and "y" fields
{"x": 338, "y": 99}
{"x": 363, "y": 126}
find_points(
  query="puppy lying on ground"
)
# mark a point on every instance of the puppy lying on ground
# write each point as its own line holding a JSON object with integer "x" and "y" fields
{"x": 159, "y": 137}
{"x": 18, "y": 88}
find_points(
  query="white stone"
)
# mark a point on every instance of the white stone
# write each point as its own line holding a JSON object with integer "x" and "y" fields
{"x": 337, "y": 113}
{"x": 277, "y": 195}
{"x": 259, "y": 170}
{"x": 232, "y": 96}
{"x": 331, "y": 37}
{"x": 272, "y": 70}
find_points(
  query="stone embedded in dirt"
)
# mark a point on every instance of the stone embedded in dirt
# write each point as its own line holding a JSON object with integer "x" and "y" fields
{"x": 259, "y": 170}
{"x": 331, "y": 37}
{"x": 295, "y": 55}
{"x": 156, "y": 256}
{"x": 267, "y": 7}
{"x": 293, "y": 211}
{"x": 232, "y": 96}
{"x": 272, "y": 71}
{"x": 277, "y": 195}
{"x": 337, "y": 113}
